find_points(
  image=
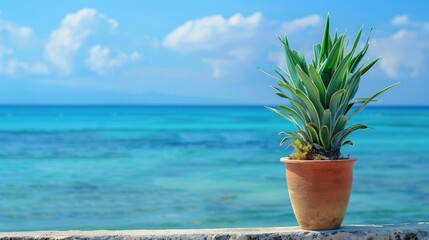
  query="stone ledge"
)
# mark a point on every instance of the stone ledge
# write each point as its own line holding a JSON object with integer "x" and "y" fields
{"x": 402, "y": 231}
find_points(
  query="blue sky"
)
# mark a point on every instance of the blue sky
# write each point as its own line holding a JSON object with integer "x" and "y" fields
{"x": 194, "y": 52}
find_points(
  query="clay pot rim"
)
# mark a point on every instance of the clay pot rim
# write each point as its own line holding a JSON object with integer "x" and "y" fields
{"x": 288, "y": 160}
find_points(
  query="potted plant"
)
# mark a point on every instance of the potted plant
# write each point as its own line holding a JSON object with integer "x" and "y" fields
{"x": 321, "y": 97}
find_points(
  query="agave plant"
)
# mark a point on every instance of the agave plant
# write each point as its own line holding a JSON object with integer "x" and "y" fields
{"x": 321, "y": 95}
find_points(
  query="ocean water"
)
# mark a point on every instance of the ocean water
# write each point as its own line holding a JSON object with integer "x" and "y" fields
{"x": 191, "y": 167}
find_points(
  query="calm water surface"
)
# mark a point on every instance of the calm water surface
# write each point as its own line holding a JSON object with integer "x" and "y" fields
{"x": 191, "y": 167}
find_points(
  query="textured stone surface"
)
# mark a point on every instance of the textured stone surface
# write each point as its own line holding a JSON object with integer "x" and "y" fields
{"x": 403, "y": 231}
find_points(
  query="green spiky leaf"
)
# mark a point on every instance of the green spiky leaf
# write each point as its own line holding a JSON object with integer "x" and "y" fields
{"x": 320, "y": 97}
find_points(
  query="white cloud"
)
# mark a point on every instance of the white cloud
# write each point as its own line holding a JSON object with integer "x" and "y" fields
{"x": 217, "y": 66}
{"x": 404, "y": 52}
{"x": 302, "y": 23}
{"x": 101, "y": 60}
{"x": 211, "y": 32}
{"x": 301, "y": 41}
{"x": 4, "y": 51}
{"x": 69, "y": 37}
{"x": 12, "y": 66}
{"x": 17, "y": 34}
{"x": 400, "y": 20}
{"x": 401, "y": 53}
{"x": 240, "y": 54}
{"x": 222, "y": 66}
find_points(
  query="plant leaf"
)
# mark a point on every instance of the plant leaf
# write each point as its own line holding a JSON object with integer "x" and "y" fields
{"x": 325, "y": 41}
{"x": 335, "y": 101}
{"x": 290, "y": 63}
{"x": 293, "y": 113}
{"x": 357, "y": 40}
{"x": 342, "y": 135}
{"x": 348, "y": 142}
{"x": 324, "y": 137}
{"x": 311, "y": 109}
{"x": 312, "y": 91}
{"x": 313, "y": 133}
{"x": 270, "y": 75}
{"x": 290, "y": 119}
{"x": 369, "y": 66}
{"x": 339, "y": 125}
{"x": 316, "y": 50}
{"x": 338, "y": 78}
{"x": 334, "y": 54}
{"x": 371, "y": 98}
{"x": 327, "y": 118}
{"x": 301, "y": 61}
{"x": 314, "y": 75}
{"x": 351, "y": 130}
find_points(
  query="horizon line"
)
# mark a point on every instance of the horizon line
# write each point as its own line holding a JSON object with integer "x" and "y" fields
{"x": 179, "y": 105}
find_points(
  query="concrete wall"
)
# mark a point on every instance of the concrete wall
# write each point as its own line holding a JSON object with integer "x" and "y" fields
{"x": 403, "y": 231}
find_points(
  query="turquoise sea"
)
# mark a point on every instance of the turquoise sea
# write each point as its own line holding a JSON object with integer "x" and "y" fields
{"x": 131, "y": 167}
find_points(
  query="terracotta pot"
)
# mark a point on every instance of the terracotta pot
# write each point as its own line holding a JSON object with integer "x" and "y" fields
{"x": 319, "y": 191}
